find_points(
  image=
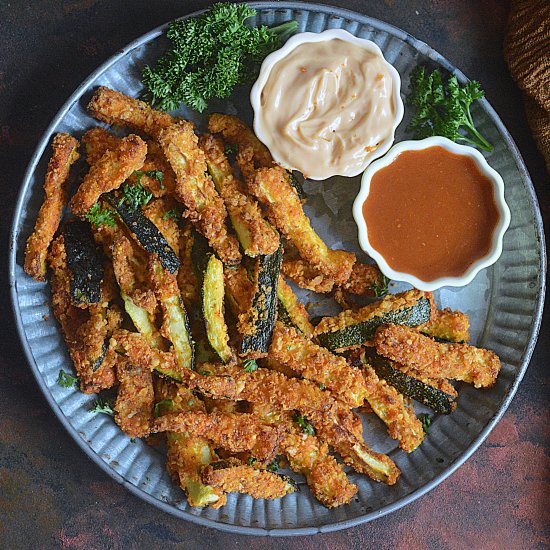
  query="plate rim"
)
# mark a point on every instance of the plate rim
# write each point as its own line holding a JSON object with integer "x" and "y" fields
{"x": 294, "y": 531}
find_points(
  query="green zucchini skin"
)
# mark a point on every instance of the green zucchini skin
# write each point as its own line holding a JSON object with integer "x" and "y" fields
{"x": 264, "y": 304}
{"x": 99, "y": 361}
{"x": 434, "y": 398}
{"x": 363, "y": 331}
{"x": 297, "y": 185}
{"x": 85, "y": 262}
{"x": 146, "y": 232}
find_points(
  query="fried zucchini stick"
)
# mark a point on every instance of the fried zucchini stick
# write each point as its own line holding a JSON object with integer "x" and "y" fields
{"x": 420, "y": 353}
{"x": 273, "y": 189}
{"x": 187, "y": 277}
{"x": 97, "y": 141}
{"x": 109, "y": 172}
{"x": 84, "y": 330}
{"x": 236, "y": 132}
{"x": 55, "y": 188}
{"x": 236, "y": 432}
{"x": 318, "y": 364}
{"x": 116, "y": 108}
{"x": 233, "y": 476}
{"x": 255, "y": 234}
{"x": 390, "y": 406}
{"x": 449, "y": 325}
{"x": 310, "y": 457}
{"x": 290, "y": 307}
{"x": 195, "y": 189}
{"x": 156, "y": 211}
{"x": 187, "y": 454}
{"x": 135, "y": 399}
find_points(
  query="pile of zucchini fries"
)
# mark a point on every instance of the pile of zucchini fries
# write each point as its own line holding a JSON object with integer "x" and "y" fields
{"x": 167, "y": 229}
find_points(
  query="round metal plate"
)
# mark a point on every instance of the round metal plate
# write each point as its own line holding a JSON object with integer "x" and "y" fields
{"x": 504, "y": 302}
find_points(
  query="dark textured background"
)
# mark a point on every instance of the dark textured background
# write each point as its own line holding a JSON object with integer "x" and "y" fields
{"x": 52, "y": 496}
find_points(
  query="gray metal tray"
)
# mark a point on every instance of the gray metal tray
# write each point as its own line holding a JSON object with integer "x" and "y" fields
{"x": 505, "y": 304}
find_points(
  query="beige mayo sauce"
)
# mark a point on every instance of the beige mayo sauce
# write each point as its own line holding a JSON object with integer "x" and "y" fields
{"x": 326, "y": 106}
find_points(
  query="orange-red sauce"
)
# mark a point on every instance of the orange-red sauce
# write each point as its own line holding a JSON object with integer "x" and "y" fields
{"x": 431, "y": 213}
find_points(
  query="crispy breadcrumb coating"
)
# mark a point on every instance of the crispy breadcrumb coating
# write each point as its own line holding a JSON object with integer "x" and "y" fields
{"x": 195, "y": 189}
{"x": 305, "y": 276}
{"x": 97, "y": 141}
{"x": 114, "y": 107}
{"x": 55, "y": 188}
{"x": 476, "y": 366}
{"x": 449, "y": 325}
{"x": 273, "y": 189}
{"x": 109, "y": 173}
{"x": 187, "y": 278}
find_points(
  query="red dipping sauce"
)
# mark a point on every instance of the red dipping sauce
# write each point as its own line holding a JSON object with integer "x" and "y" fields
{"x": 431, "y": 213}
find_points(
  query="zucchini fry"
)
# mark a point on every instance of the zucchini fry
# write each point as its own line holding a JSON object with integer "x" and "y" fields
{"x": 55, "y": 189}
{"x": 318, "y": 364}
{"x": 187, "y": 278}
{"x": 236, "y": 132}
{"x": 291, "y": 311}
{"x": 420, "y": 353}
{"x": 236, "y": 432}
{"x": 135, "y": 399}
{"x": 195, "y": 189}
{"x": 187, "y": 454}
{"x": 365, "y": 280}
{"x": 305, "y": 276}
{"x": 232, "y": 476}
{"x": 156, "y": 211}
{"x": 353, "y": 328}
{"x": 116, "y": 108}
{"x": 175, "y": 323}
{"x": 238, "y": 290}
{"x": 388, "y": 404}
{"x": 310, "y": 457}
{"x": 108, "y": 173}
{"x": 97, "y": 141}
{"x": 446, "y": 324}
{"x": 255, "y": 234}
{"x": 273, "y": 189}
{"x": 85, "y": 331}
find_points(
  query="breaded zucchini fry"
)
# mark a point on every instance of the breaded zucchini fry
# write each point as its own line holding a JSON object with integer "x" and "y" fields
{"x": 109, "y": 172}
{"x": 114, "y": 107}
{"x": 305, "y": 276}
{"x": 232, "y": 476}
{"x": 187, "y": 454}
{"x": 291, "y": 311}
{"x": 239, "y": 290}
{"x": 156, "y": 211}
{"x": 187, "y": 278}
{"x": 85, "y": 330}
{"x": 318, "y": 364}
{"x": 448, "y": 325}
{"x": 364, "y": 280}
{"x": 389, "y": 405}
{"x": 236, "y": 132}
{"x": 97, "y": 141}
{"x": 135, "y": 399}
{"x": 273, "y": 189}
{"x": 255, "y": 234}
{"x": 195, "y": 189}
{"x": 420, "y": 353}
{"x": 236, "y": 432}
{"x": 310, "y": 457}
{"x": 55, "y": 188}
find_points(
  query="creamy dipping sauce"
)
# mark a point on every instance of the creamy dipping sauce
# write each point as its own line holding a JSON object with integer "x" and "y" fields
{"x": 431, "y": 213}
{"x": 326, "y": 106}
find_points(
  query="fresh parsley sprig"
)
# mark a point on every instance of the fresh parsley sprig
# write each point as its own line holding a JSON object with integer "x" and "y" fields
{"x": 443, "y": 108}
{"x": 210, "y": 55}
{"x": 101, "y": 216}
{"x": 381, "y": 288}
{"x": 426, "y": 420}
{"x": 66, "y": 380}
{"x": 303, "y": 422}
{"x": 135, "y": 195}
{"x": 103, "y": 406}
{"x": 250, "y": 365}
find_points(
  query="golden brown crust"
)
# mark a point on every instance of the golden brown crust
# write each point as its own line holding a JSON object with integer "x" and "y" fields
{"x": 135, "y": 399}
{"x": 449, "y": 325}
{"x": 156, "y": 211}
{"x": 238, "y": 133}
{"x": 55, "y": 188}
{"x": 433, "y": 360}
{"x": 256, "y": 235}
{"x": 109, "y": 172}
{"x": 114, "y": 107}
{"x": 272, "y": 187}
{"x": 232, "y": 476}
{"x": 195, "y": 189}
{"x": 318, "y": 364}
{"x": 235, "y": 432}
{"x": 390, "y": 406}
{"x": 363, "y": 279}
{"x": 305, "y": 276}
{"x": 187, "y": 278}
{"x": 97, "y": 141}
{"x": 239, "y": 290}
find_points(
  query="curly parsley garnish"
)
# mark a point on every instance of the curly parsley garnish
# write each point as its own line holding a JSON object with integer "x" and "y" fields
{"x": 210, "y": 55}
{"x": 171, "y": 214}
{"x": 442, "y": 109}
{"x": 250, "y": 365}
{"x": 135, "y": 195}
{"x": 381, "y": 288}
{"x": 66, "y": 380}
{"x": 307, "y": 428}
{"x": 273, "y": 467}
{"x": 426, "y": 420}
{"x": 103, "y": 406}
{"x": 251, "y": 460}
{"x": 101, "y": 216}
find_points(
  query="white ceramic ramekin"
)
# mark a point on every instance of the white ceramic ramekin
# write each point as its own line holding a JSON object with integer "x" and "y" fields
{"x": 498, "y": 194}
{"x": 290, "y": 45}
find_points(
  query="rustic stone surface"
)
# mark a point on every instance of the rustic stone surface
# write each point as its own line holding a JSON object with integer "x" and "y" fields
{"x": 52, "y": 496}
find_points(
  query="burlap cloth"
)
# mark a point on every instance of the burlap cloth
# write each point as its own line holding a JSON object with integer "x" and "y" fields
{"x": 527, "y": 53}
